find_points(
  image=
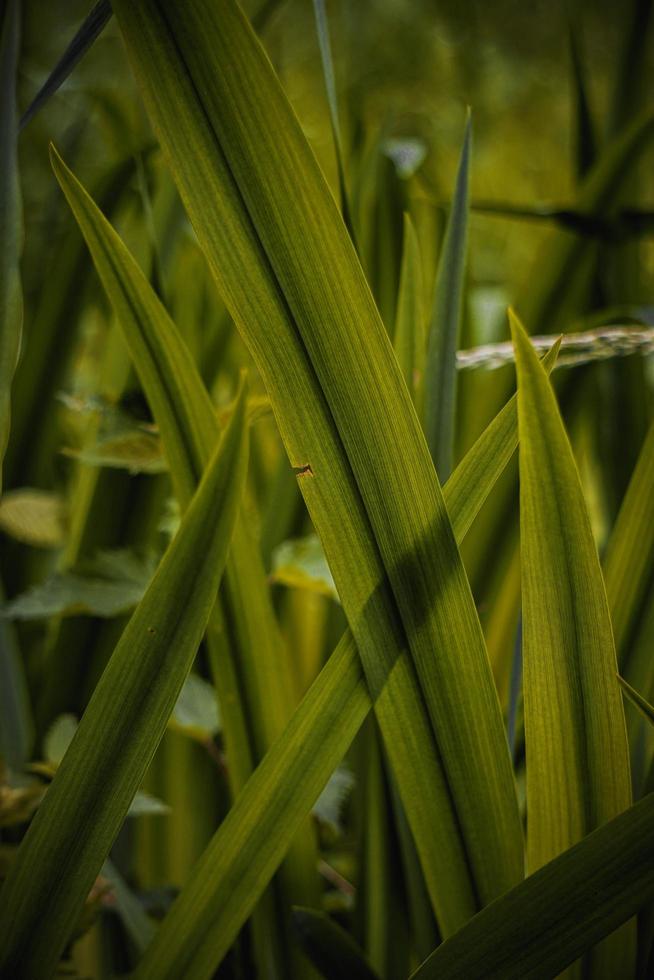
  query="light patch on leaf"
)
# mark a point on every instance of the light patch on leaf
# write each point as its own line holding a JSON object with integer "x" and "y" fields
{"x": 58, "y": 738}
{"x": 329, "y": 805}
{"x": 301, "y": 564}
{"x": 35, "y": 517}
{"x": 407, "y": 154}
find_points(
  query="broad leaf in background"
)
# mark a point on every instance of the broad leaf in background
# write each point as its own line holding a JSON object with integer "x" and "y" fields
{"x": 577, "y": 755}
{"x": 111, "y": 583}
{"x": 90, "y": 795}
{"x": 11, "y": 221}
{"x": 549, "y": 920}
{"x": 35, "y": 517}
{"x": 445, "y": 328}
{"x": 289, "y": 275}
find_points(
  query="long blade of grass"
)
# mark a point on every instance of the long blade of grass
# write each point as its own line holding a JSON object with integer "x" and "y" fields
{"x": 321, "y": 730}
{"x": 440, "y": 368}
{"x": 322, "y": 31}
{"x": 290, "y": 278}
{"x": 538, "y": 928}
{"x": 88, "y": 799}
{"x": 629, "y": 559}
{"x": 409, "y": 334}
{"x": 577, "y": 755}
{"x": 90, "y": 29}
{"x": 250, "y": 668}
{"x": 641, "y": 703}
{"x": 11, "y": 220}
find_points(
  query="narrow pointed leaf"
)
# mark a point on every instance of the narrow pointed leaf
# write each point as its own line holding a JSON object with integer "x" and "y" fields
{"x": 545, "y": 923}
{"x": 440, "y": 367}
{"x": 93, "y": 25}
{"x": 11, "y": 221}
{"x": 207, "y": 913}
{"x": 90, "y": 795}
{"x": 290, "y": 278}
{"x": 577, "y": 755}
{"x": 248, "y": 657}
{"x": 322, "y": 30}
{"x": 409, "y": 338}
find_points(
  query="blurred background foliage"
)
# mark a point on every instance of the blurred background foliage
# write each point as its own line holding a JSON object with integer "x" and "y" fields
{"x": 551, "y": 85}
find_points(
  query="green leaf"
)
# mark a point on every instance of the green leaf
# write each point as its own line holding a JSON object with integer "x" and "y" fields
{"x": 16, "y": 723}
{"x": 11, "y": 221}
{"x": 136, "y": 451}
{"x": 440, "y": 369}
{"x": 643, "y": 706}
{"x": 249, "y": 661}
{"x": 108, "y": 585}
{"x": 289, "y": 275}
{"x": 577, "y": 756}
{"x": 71, "y": 834}
{"x": 35, "y": 517}
{"x": 252, "y": 841}
{"x": 629, "y": 559}
{"x": 196, "y": 712}
{"x": 146, "y": 805}
{"x": 538, "y": 928}
{"x": 551, "y": 298}
{"x": 58, "y": 737}
{"x": 329, "y": 804}
{"x": 91, "y": 28}
{"x": 585, "y": 142}
{"x": 329, "y": 947}
{"x": 409, "y": 338}
{"x": 322, "y": 30}
{"x": 301, "y": 564}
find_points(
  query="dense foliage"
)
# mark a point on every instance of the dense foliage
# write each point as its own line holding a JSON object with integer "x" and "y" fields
{"x": 327, "y": 584}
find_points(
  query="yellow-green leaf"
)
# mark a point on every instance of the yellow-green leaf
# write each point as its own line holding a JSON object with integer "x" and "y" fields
{"x": 577, "y": 757}
{"x": 99, "y": 775}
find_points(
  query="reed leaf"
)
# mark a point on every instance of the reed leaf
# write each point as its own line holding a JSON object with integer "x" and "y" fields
{"x": 290, "y": 278}
{"x": 280, "y": 793}
{"x": 577, "y": 755}
{"x": 76, "y": 824}
{"x": 11, "y": 220}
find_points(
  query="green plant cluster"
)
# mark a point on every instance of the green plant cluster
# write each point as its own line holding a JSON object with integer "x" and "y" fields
{"x": 320, "y": 656}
